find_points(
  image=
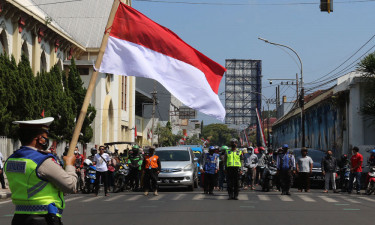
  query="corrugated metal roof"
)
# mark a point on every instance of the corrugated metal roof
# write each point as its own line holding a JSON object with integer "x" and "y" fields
{"x": 317, "y": 98}
{"x": 84, "y": 20}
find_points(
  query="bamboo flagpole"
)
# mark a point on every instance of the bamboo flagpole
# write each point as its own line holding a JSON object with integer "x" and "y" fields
{"x": 90, "y": 89}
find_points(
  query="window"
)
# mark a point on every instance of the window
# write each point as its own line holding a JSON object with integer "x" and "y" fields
{"x": 83, "y": 71}
{"x": 24, "y": 49}
{"x": 123, "y": 92}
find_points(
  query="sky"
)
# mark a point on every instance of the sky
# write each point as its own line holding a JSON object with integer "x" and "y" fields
{"x": 229, "y": 29}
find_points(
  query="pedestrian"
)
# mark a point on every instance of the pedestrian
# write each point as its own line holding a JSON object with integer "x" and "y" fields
{"x": 151, "y": 168}
{"x": 101, "y": 161}
{"x": 111, "y": 173}
{"x": 233, "y": 160}
{"x": 251, "y": 163}
{"x": 2, "y": 180}
{"x": 135, "y": 166}
{"x": 329, "y": 168}
{"x": 210, "y": 167}
{"x": 304, "y": 169}
{"x": 222, "y": 162}
{"x": 285, "y": 167}
{"x": 36, "y": 179}
{"x": 355, "y": 170}
{"x": 93, "y": 152}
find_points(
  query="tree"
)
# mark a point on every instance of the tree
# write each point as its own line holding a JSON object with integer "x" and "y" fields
{"x": 74, "y": 87}
{"x": 367, "y": 67}
{"x": 218, "y": 134}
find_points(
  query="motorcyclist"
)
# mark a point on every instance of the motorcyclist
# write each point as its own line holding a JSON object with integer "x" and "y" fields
{"x": 343, "y": 165}
{"x": 371, "y": 159}
{"x": 79, "y": 167}
{"x": 261, "y": 164}
{"x": 135, "y": 163}
{"x": 93, "y": 152}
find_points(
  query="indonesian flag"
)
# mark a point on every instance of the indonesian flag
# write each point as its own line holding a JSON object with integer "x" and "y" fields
{"x": 137, "y": 46}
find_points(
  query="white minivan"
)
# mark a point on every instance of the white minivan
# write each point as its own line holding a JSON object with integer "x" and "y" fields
{"x": 178, "y": 167}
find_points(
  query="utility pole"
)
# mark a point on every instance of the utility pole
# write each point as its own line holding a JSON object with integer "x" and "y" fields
{"x": 153, "y": 112}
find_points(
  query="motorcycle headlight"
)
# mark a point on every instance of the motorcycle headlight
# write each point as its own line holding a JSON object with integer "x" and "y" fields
{"x": 121, "y": 167}
{"x": 188, "y": 168}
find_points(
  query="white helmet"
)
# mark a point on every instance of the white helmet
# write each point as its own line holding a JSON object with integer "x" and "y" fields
{"x": 87, "y": 162}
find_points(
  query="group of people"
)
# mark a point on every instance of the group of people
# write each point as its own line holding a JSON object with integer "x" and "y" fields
{"x": 232, "y": 164}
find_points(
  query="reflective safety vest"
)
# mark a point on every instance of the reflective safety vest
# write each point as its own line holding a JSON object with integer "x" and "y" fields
{"x": 30, "y": 193}
{"x": 210, "y": 163}
{"x": 233, "y": 158}
{"x": 151, "y": 162}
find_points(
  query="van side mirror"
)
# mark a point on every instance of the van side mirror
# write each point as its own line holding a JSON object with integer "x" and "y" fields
{"x": 196, "y": 159}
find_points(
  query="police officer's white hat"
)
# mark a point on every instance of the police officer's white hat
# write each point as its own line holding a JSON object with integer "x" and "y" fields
{"x": 34, "y": 124}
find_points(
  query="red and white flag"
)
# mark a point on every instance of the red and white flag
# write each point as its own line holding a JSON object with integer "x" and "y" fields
{"x": 137, "y": 46}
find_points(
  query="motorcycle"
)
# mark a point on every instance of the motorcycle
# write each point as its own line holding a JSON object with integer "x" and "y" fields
{"x": 121, "y": 176}
{"x": 90, "y": 177}
{"x": 371, "y": 181}
{"x": 345, "y": 172}
{"x": 268, "y": 177}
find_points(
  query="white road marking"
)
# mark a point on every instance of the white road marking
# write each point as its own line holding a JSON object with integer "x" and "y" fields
{"x": 135, "y": 197}
{"x": 198, "y": 197}
{"x": 5, "y": 202}
{"x": 367, "y": 198}
{"x": 114, "y": 198}
{"x": 306, "y": 198}
{"x": 155, "y": 198}
{"x": 92, "y": 199}
{"x": 243, "y": 197}
{"x": 178, "y": 197}
{"x": 264, "y": 198}
{"x": 327, "y": 199}
{"x": 72, "y": 199}
{"x": 349, "y": 199}
{"x": 285, "y": 198}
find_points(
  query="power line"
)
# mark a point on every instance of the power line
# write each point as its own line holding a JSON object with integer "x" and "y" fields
{"x": 317, "y": 80}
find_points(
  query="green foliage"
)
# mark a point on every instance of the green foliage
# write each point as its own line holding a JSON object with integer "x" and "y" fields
{"x": 194, "y": 140}
{"x": 25, "y": 96}
{"x": 367, "y": 67}
{"x": 218, "y": 134}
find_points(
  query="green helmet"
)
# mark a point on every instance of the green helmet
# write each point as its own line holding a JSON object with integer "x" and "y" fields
{"x": 135, "y": 147}
{"x": 224, "y": 148}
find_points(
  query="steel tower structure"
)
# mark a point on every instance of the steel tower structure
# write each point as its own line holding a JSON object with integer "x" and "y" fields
{"x": 243, "y": 88}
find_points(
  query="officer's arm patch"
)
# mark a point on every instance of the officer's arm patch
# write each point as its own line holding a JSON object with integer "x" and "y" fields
{"x": 16, "y": 166}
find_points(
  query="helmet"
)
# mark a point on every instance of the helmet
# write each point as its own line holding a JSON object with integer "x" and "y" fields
{"x": 93, "y": 151}
{"x": 224, "y": 148}
{"x": 216, "y": 147}
{"x": 372, "y": 151}
{"x": 285, "y": 146}
{"x": 87, "y": 162}
{"x": 135, "y": 147}
{"x": 261, "y": 148}
{"x": 234, "y": 140}
{"x": 211, "y": 148}
{"x": 344, "y": 157}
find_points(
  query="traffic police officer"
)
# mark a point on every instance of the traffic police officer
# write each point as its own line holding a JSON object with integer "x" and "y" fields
{"x": 36, "y": 179}
{"x": 233, "y": 159}
{"x": 210, "y": 167}
{"x": 151, "y": 168}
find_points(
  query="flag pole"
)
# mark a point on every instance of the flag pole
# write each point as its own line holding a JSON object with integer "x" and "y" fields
{"x": 90, "y": 89}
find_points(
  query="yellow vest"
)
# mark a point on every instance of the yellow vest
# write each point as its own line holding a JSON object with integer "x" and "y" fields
{"x": 31, "y": 194}
{"x": 233, "y": 158}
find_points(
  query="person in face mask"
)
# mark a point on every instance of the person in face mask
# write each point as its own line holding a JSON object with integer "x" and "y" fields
{"x": 329, "y": 165}
{"x": 30, "y": 168}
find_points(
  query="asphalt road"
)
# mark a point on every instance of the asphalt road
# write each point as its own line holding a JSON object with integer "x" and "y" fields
{"x": 178, "y": 206}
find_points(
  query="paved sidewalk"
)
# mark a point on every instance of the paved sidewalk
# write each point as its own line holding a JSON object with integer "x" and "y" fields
{"x": 5, "y": 193}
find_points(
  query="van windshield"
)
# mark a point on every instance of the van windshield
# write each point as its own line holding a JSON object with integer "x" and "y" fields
{"x": 173, "y": 155}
